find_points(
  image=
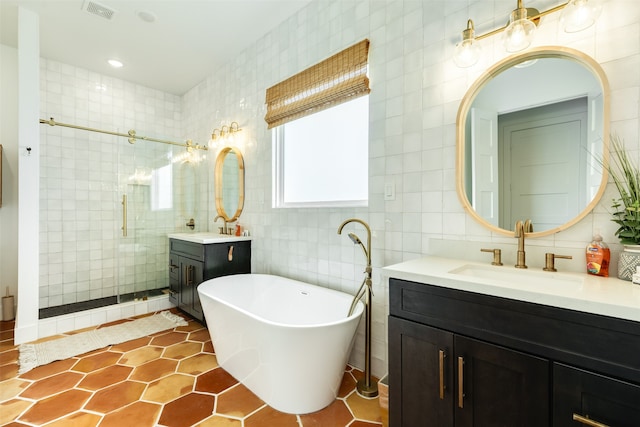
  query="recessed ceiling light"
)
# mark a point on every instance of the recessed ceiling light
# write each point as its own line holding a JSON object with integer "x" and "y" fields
{"x": 115, "y": 63}
{"x": 146, "y": 16}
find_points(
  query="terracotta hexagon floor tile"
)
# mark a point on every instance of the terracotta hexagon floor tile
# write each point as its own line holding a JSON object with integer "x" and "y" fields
{"x": 115, "y": 397}
{"x": 131, "y": 345}
{"x": 347, "y": 385}
{"x": 168, "y": 339}
{"x": 215, "y": 381}
{"x": 202, "y": 335}
{"x": 49, "y": 369}
{"x": 11, "y": 388}
{"x": 192, "y": 326}
{"x": 182, "y": 350}
{"x": 336, "y": 414}
{"x": 11, "y": 409}
{"x": 364, "y": 409}
{"x": 141, "y": 356}
{"x": 187, "y": 410}
{"x": 105, "y": 377}
{"x": 208, "y": 347}
{"x": 137, "y": 414}
{"x": 198, "y": 364}
{"x": 9, "y": 356}
{"x": 169, "y": 388}
{"x": 77, "y": 419}
{"x": 52, "y": 385}
{"x": 55, "y": 407}
{"x": 97, "y": 361}
{"x": 218, "y": 421}
{"x": 238, "y": 401}
{"x": 359, "y": 423}
{"x": 9, "y": 371}
{"x": 154, "y": 370}
{"x": 269, "y": 417}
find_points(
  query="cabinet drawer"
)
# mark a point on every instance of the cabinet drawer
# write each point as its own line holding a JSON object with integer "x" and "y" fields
{"x": 174, "y": 267}
{"x": 599, "y": 343}
{"x": 580, "y": 395}
{"x": 189, "y": 249}
{"x": 227, "y": 258}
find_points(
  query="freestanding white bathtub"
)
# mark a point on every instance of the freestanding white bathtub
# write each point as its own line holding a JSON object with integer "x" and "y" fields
{"x": 287, "y": 341}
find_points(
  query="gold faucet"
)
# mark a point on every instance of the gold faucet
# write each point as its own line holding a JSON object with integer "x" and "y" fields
{"x": 520, "y": 230}
{"x": 223, "y": 229}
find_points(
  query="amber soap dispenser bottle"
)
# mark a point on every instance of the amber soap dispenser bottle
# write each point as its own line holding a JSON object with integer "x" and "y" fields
{"x": 598, "y": 255}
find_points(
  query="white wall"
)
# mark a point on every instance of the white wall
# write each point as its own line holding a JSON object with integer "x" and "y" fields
{"x": 416, "y": 91}
{"x": 9, "y": 141}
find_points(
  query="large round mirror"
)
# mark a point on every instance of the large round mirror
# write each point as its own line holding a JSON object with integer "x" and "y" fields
{"x": 531, "y": 133}
{"x": 229, "y": 184}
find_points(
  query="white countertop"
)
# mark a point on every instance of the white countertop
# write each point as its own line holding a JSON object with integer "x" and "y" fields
{"x": 207, "y": 237}
{"x": 608, "y": 296}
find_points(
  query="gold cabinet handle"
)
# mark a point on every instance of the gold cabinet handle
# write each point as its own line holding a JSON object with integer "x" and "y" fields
{"x": 230, "y": 254}
{"x": 460, "y": 382}
{"x": 189, "y": 275}
{"x": 441, "y": 356}
{"x": 124, "y": 215}
{"x": 173, "y": 266}
{"x": 587, "y": 421}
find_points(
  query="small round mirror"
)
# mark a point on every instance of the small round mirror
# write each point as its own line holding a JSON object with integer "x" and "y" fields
{"x": 229, "y": 184}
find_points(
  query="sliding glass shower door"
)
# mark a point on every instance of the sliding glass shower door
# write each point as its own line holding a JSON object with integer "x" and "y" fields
{"x": 146, "y": 215}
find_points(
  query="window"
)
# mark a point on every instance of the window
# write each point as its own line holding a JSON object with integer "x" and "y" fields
{"x": 321, "y": 116}
{"x": 161, "y": 188}
{"x": 322, "y": 159}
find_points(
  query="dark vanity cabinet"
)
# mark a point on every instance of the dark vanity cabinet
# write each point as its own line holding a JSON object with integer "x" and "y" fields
{"x": 192, "y": 263}
{"x": 459, "y": 358}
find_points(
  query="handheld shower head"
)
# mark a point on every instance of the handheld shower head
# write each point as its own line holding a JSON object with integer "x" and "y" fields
{"x": 355, "y": 239}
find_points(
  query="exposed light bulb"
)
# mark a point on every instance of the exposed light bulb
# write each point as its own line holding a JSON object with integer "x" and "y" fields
{"x": 519, "y": 34}
{"x": 467, "y": 52}
{"x": 578, "y": 15}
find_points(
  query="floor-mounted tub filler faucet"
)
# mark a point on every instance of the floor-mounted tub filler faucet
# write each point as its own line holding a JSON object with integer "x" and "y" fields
{"x": 364, "y": 387}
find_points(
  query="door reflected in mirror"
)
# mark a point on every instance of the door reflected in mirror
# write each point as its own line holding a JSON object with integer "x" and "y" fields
{"x": 229, "y": 184}
{"x": 530, "y": 132}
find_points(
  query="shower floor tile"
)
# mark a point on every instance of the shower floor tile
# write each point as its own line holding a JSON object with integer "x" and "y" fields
{"x": 169, "y": 379}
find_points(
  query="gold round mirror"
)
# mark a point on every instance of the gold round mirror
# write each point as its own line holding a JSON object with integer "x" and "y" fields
{"x": 530, "y": 132}
{"x": 229, "y": 184}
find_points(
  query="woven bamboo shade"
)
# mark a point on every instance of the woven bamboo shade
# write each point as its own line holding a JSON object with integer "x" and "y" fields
{"x": 339, "y": 78}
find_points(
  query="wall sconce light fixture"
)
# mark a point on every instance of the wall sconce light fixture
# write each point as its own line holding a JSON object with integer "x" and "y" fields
{"x": 577, "y": 15}
{"x": 225, "y": 130}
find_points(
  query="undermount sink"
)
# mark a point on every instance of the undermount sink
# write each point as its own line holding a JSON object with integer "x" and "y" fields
{"x": 206, "y": 237}
{"x": 515, "y": 277}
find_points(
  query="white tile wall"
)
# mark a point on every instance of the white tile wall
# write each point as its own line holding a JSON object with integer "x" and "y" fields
{"x": 84, "y": 174}
{"x": 416, "y": 91}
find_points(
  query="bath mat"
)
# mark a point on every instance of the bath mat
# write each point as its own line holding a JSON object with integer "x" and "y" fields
{"x": 32, "y": 355}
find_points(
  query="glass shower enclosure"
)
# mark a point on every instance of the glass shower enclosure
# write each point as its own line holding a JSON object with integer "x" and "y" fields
{"x": 106, "y": 207}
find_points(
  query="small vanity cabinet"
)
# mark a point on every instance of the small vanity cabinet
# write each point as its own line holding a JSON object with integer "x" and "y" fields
{"x": 192, "y": 263}
{"x": 459, "y": 358}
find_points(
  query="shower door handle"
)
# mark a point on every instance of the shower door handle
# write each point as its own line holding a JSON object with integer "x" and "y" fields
{"x": 124, "y": 215}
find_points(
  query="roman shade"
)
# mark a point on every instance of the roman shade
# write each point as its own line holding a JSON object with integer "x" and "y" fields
{"x": 337, "y": 79}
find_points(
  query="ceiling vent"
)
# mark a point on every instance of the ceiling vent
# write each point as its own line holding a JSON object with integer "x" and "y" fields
{"x": 96, "y": 8}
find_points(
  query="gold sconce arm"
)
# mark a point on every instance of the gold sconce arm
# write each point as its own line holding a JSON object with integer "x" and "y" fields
{"x": 225, "y": 130}
{"x": 577, "y": 15}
